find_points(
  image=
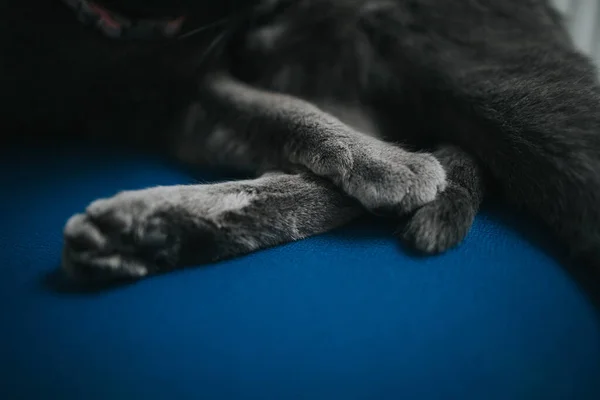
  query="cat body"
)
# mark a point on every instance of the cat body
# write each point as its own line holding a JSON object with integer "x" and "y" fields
{"x": 404, "y": 107}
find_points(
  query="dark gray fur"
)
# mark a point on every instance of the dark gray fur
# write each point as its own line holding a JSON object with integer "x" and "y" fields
{"x": 321, "y": 89}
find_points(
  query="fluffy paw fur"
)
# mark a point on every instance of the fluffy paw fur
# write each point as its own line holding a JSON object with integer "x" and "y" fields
{"x": 121, "y": 237}
{"x": 387, "y": 179}
{"x": 443, "y": 223}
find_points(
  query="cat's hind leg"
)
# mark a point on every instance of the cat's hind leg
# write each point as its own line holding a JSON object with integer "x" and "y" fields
{"x": 145, "y": 232}
{"x": 504, "y": 83}
{"x": 446, "y": 221}
{"x": 536, "y": 129}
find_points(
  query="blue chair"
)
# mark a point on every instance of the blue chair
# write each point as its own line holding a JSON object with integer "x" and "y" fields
{"x": 351, "y": 314}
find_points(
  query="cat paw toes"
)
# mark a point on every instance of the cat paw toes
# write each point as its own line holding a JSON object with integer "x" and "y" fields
{"x": 117, "y": 238}
{"x": 397, "y": 182}
{"x": 441, "y": 224}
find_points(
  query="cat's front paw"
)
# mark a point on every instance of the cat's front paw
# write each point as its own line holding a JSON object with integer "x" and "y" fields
{"x": 443, "y": 223}
{"x": 390, "y": 180}
{"x": 123, "y": 237}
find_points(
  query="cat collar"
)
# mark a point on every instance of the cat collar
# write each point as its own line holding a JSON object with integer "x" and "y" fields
{"x": 115, "y": 26}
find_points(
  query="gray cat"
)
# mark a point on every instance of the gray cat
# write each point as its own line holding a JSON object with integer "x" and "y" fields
{"x": 406, "y": 108}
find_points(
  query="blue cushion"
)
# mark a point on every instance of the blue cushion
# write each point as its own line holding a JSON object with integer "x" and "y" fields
{"x": 346, "y": 315}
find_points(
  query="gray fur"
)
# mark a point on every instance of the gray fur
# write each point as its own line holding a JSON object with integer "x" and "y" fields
{"x": 232, "y": 218}
{"x": 401, "y": 105}
{"x": 143, "y": 232}
{"x": 293, "y": 132}
{"x": 444, "y": 222}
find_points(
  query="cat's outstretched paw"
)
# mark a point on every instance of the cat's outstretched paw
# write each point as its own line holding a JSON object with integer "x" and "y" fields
{"x": 123, "y": 237}
{"x": 442, "y": 223}
{"x": 389, "y": 180}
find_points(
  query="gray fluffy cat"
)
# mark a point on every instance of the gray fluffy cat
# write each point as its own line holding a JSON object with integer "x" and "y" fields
{"x": 408, "y": 108}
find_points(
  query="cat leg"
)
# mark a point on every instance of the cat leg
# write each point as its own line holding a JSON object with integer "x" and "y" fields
{"x": 444, "y": 222}
{"x": 502, "y": 81}
{"x": 156, "y": 230}
{"x": 281, "y": 130}
{"x": 536, "y": 128}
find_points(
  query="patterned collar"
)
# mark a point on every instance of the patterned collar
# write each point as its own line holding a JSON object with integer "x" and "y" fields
{"x": 115, "y": 26}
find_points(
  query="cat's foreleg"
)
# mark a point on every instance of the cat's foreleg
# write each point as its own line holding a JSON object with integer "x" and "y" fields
{"x": 156, "y": 230}
{"x": 281, "y": 130}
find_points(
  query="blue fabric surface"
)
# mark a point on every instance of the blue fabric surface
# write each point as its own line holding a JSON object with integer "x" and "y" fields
{"x": 346, "y": 315}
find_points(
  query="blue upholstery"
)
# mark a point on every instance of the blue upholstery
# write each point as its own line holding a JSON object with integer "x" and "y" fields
{"x": 346, "y": 315}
